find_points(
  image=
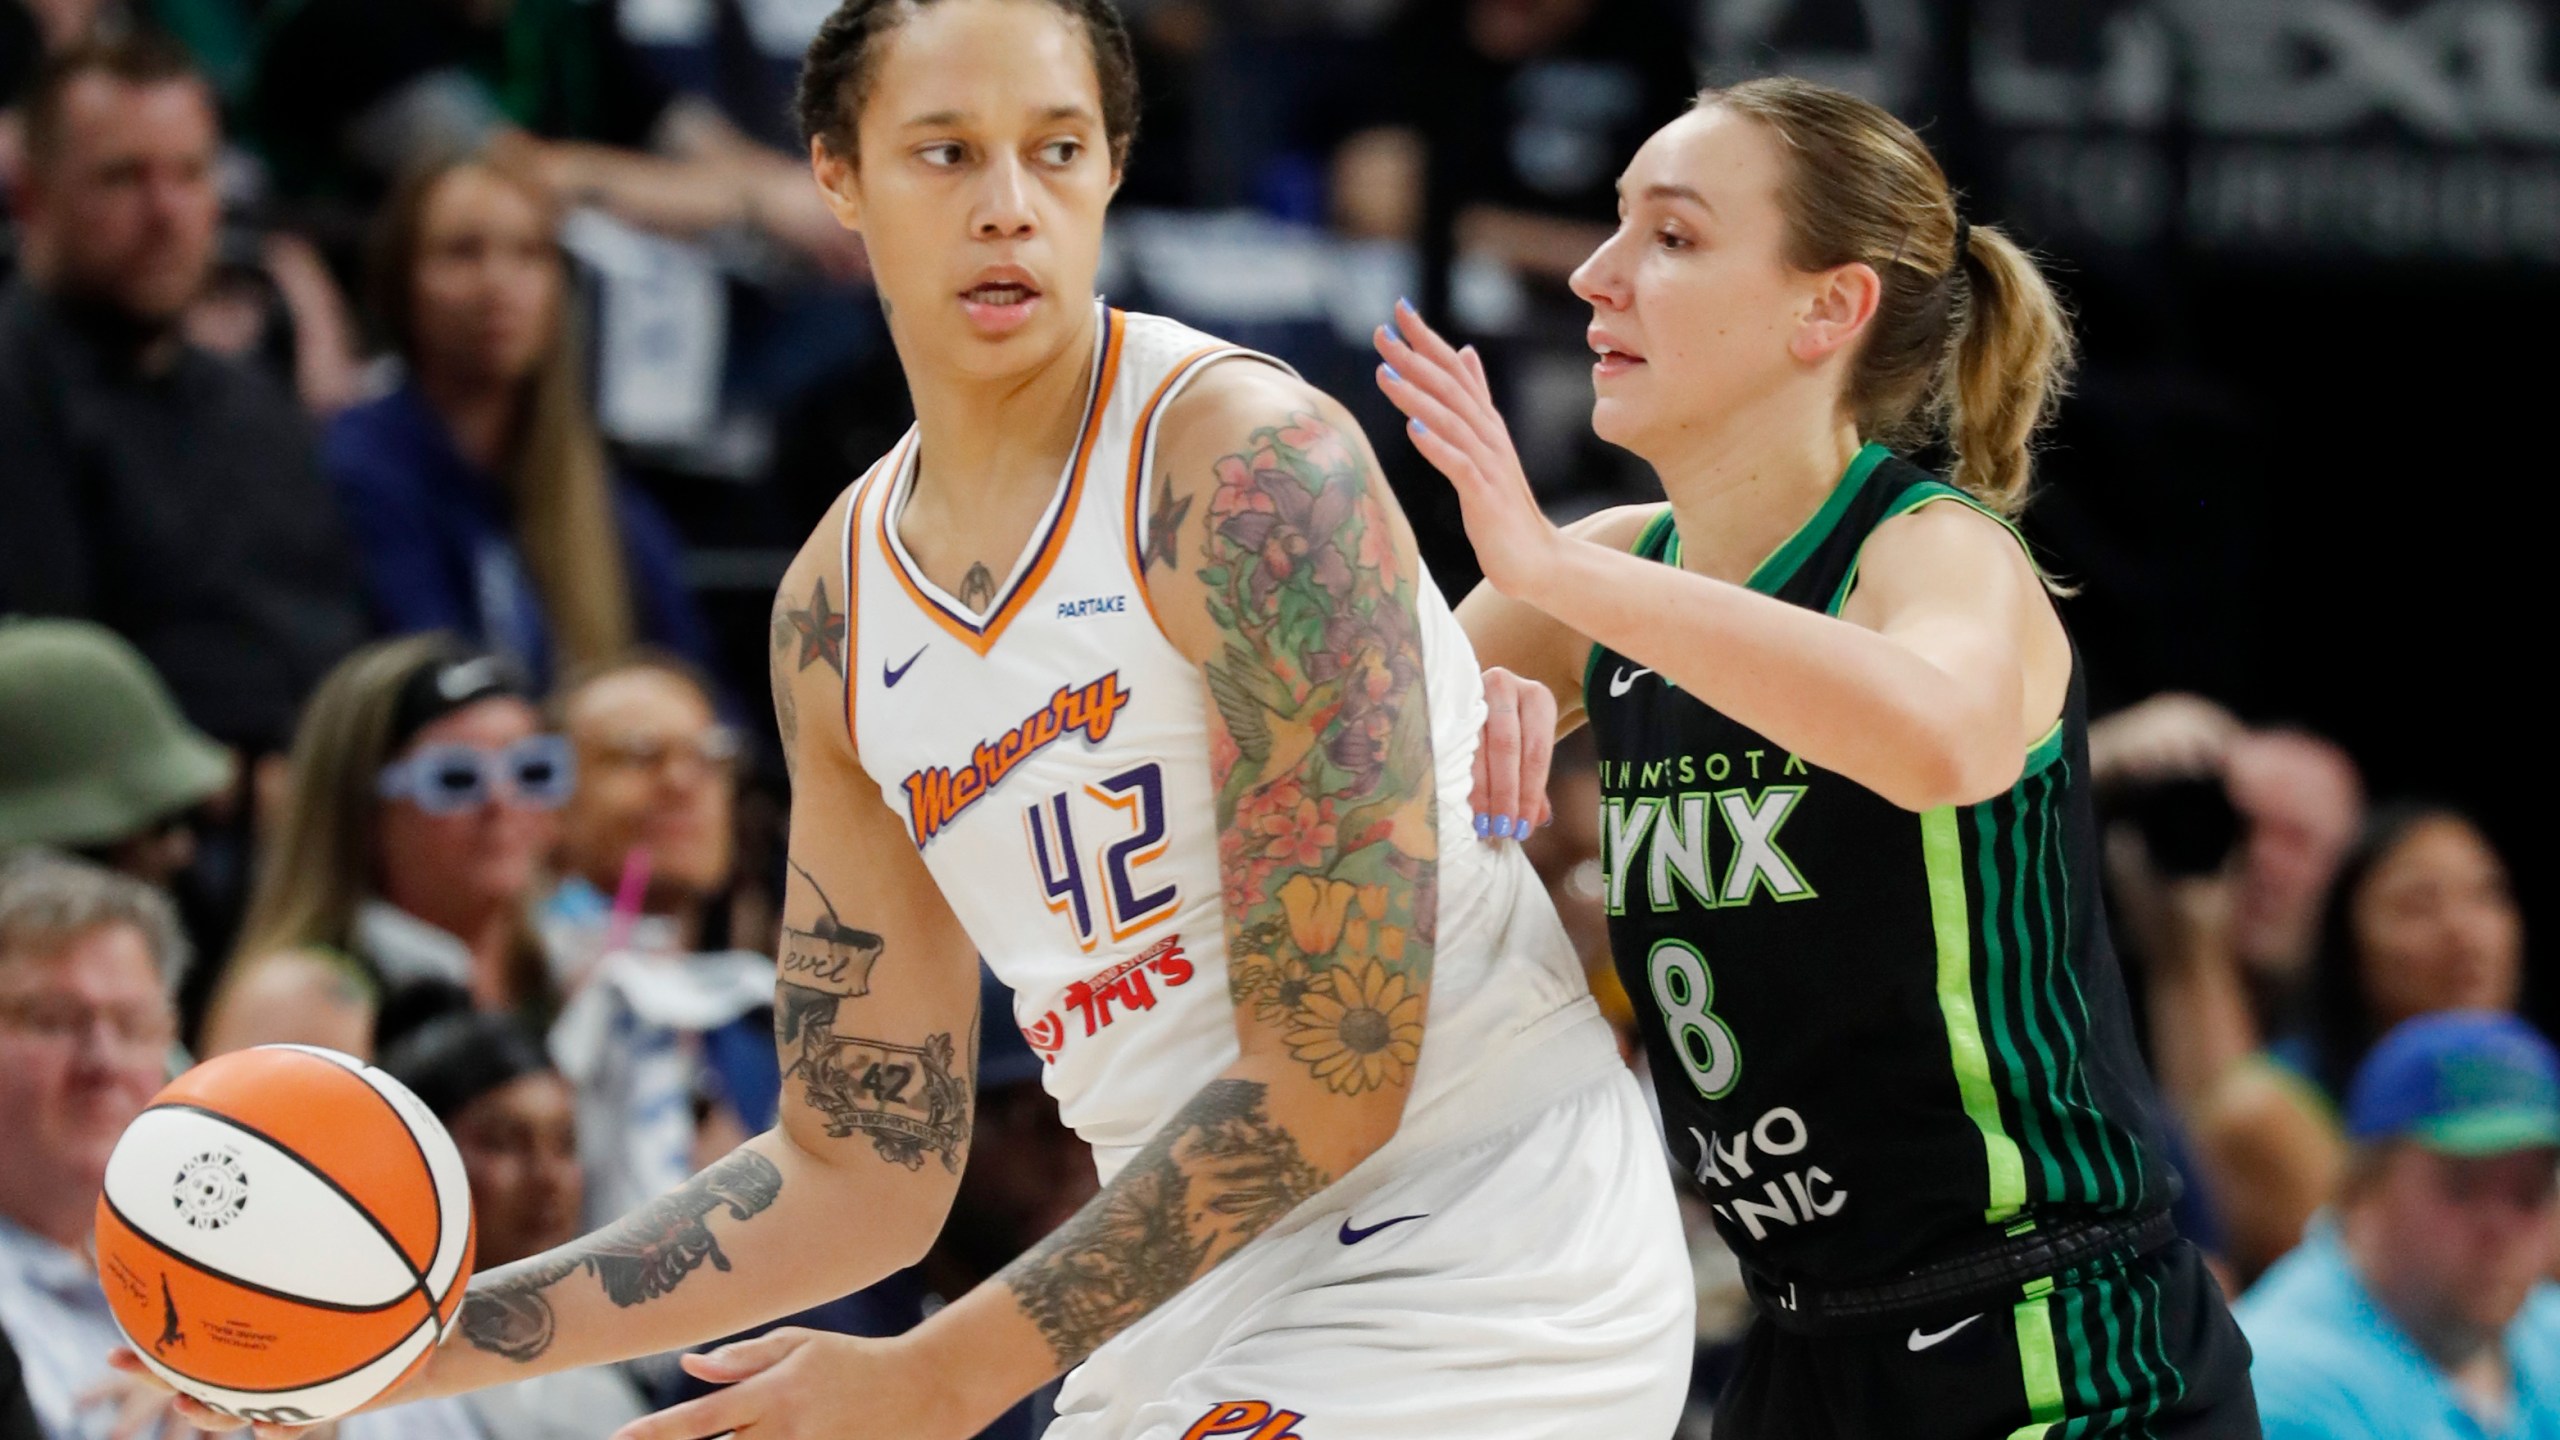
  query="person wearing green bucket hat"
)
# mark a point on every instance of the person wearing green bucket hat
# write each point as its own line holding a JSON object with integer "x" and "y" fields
{"x": 94, "y": 754}
{"x": 2421, "y": 1305}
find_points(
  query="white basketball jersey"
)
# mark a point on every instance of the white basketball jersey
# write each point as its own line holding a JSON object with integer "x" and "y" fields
{"x": 1051, "y": 759}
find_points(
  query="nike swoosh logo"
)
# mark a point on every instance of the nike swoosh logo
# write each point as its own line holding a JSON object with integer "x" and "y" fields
{"x": 1351, "y": 1236}
{"x": 890, "y": 677}
{"x": 1622, "y": 682}
{"x": 1919, "y": 1342}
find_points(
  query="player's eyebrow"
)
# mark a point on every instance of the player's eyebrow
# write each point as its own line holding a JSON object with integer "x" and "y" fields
{"x": 952, "y": 119}
{"x": 1678, "y": 192}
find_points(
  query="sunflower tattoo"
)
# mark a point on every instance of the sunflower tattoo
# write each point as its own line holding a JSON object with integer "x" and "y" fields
{"x": 1361, "y": 1031}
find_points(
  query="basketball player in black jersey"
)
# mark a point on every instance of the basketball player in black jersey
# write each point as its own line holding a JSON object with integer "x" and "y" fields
{"x": 1851, "y": 868}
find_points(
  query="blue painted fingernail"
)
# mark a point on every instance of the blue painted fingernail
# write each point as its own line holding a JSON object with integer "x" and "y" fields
{"x": 1502, "y": 827}
{"x": 1419, "y": 428}
{"x": 1484, "y": 824}
{"x": 1525, "y": 828}
{"x": 1391, "y": 373}
{"x": 1406, "y": 306}
{"x": 1396, "y": 333}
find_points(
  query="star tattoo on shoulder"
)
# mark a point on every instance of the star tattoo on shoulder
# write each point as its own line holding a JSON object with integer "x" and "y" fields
{"x": 820, "y": 630}
{"x": 1164, "y": 524}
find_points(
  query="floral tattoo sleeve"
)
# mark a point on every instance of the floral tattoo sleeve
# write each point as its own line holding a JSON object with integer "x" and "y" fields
{"x": 1326, "y": 818}
{"x": 1326, "y": 800}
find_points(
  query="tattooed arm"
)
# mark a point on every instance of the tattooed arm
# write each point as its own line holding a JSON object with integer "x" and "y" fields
{"x": 1279, "y": 562}
{"x": 875, "y": 1011}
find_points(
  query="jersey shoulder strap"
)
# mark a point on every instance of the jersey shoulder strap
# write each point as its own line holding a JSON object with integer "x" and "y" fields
{"x": 1906, "y": 487}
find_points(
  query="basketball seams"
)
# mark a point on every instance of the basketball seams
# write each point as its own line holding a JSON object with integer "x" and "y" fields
{"x": 253, "y": 1287}
{"x": 340, "y": 1079}
{"x": 174, "y": 1374}
{"x": 416, "y": 1274}
{"x": 374, "y": 1081}
{"x": 330, "y": 1325}
{"x": 427, "y": 1166}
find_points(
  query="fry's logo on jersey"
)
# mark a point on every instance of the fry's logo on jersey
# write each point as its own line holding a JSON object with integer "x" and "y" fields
{"x": 1124, "y": 984}
{"x": 936, "y": 795}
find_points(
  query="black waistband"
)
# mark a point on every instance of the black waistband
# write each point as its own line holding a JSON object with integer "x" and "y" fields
{"x": 1968, "y": 1283}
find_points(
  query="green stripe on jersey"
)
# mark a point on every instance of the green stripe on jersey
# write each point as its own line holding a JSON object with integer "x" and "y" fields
{"x": 2037, "y": 1360}
{"x": 1942, "y": 849}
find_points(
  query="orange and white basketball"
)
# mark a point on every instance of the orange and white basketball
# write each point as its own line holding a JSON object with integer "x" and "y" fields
{"x": 285, "y": 1233}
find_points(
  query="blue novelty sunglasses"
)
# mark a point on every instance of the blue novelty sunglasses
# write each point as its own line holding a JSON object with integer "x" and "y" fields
{"x": 450, "y": 779}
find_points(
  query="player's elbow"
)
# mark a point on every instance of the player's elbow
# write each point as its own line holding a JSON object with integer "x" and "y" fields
{"x": 1945, "y": 765}
{"x": 908, "y": 1231}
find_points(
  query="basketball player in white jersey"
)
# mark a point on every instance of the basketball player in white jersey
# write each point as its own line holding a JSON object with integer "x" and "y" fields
{"x": 1121, "y": 670}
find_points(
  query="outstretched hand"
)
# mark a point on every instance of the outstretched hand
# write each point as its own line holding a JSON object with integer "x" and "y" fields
{"x": 134, "y": 1386}
{"x": 1453, "y": 422}
{"x": 791, "y": 1383}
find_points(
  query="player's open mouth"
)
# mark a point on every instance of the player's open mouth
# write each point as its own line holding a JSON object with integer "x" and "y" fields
{"x": 1613, "y": 361}
{"x": 1000, "y": 303}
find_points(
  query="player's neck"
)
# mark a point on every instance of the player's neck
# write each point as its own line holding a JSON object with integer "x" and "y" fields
{"x": 1739, "y": 491}
{"x": 982, "y": 441}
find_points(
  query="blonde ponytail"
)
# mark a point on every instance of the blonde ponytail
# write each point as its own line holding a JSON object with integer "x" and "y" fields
{"x": 1968, "y": 340}
{"x": 2009, "y": 365}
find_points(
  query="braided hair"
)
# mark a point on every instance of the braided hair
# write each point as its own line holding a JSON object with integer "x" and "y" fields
{"x": 843, "y": 59}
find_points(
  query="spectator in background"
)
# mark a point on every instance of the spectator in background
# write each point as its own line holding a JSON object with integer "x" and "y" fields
{"x": 399, "y": 877}
{"x": 668, "y": 1037}
{"x": 86, "y": 1025}
{"x": 480, "y": 494}
{"x": 94, "y": 756}
{"x": 2221, "y": 844}
{"x": 351, "y": 94}
{"x": 149, "y": 485}
{"x": 2422, "y": 1309}
{"x": 657, "y": 779}
{"x": 515, "y": 1121}
{"x": 2422, "y": 919}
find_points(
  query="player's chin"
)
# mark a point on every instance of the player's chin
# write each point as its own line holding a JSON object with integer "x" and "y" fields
{"x": 1617, "y": 419}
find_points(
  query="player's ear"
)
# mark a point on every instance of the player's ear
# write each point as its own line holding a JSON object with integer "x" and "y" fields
{"x": 1840, "y": 303}
{"x": 839, "y": 182}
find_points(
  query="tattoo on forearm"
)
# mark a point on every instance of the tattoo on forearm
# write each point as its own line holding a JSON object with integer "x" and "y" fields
{"x": 909, "y": 1099}
{"x": 1218, "y": 1174}
{"x": 639, "y": 1258}
{"x": 1327, "y": 799}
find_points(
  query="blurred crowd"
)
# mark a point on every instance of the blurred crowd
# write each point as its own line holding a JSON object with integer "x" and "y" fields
{"x": 406, "y": 407}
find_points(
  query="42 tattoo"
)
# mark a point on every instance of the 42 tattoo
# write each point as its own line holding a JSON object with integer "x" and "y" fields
{"x": 910, "y": 1099}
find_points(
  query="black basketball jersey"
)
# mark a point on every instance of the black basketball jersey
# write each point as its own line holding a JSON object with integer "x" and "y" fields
{"x": 1880, "y": 1039}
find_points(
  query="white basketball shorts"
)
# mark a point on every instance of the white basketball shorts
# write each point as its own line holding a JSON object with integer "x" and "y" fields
{"x": 1527, "y": 1283}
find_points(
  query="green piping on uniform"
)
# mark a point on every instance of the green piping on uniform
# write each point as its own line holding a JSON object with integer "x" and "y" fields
{"x": 2063, "y": 1063}
{"x": 1928, "y": 492}
{"x": 2078, "y": 1320}
{"x": 1783, "y": 562}
{"x": 2045, "y": 751}
{"x": 2037, "y": 1360}
{"x": 1943, "y": 851}
{"x": 1997, "y": 988}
